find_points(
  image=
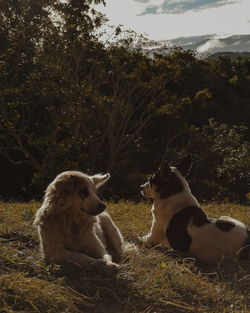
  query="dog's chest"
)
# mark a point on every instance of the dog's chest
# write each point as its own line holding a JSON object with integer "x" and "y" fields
{"x": 162, "y": 217}
{"x": 74, "y": 237}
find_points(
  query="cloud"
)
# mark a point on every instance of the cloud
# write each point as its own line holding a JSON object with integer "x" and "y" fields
{"x": 142, "y": 1}
{"x": 150, "y": 10}
{"x": 182, "y": 6}
{"x": 211, "y": 45}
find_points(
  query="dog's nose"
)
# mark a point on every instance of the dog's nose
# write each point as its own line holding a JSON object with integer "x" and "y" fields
{"x": 101, "y": 207}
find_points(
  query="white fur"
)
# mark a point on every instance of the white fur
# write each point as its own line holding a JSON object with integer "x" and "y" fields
{"x": 209, "y": 243}
{"x": 164, "y": 209}
{"x": 212, "y": 245}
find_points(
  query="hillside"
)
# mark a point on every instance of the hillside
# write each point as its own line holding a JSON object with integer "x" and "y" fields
{"x": 207, "y": 45}
{"x": 212, "y": 43}
{"x": 232, "y": 55}
{"x": 152, "y": 280}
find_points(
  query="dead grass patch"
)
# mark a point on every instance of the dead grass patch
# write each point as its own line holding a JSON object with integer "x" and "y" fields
{"x": 152, "y": 280}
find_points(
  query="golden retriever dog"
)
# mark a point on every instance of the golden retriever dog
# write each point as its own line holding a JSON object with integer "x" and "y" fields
{"x": 72, "y": 224}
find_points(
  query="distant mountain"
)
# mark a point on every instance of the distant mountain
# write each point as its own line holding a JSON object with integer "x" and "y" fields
{"x": 232, "y": 55}
{"x": 212, "y": 44}
{"x": 207, "y": 44}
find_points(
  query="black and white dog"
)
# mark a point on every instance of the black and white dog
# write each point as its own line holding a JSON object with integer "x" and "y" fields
{"x": 180, "y": 223}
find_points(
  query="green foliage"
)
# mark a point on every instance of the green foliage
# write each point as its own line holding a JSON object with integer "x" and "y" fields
{"x": 68, "y": 100}
{"x": 231, "y": 158}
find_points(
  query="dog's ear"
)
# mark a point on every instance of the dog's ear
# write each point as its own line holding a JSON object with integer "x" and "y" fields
{"x": 165, "y": 170}
{"x": 184, "y": 166}
{"x": 100, "y": 179}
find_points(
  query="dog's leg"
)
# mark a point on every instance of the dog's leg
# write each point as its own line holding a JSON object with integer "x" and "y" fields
{"x": 67, "y": 256}
{"x": 156, "y": 236}
{"x": 96, "y": 248}
{"x": 55, "y": 252}
{"x": 112, "y": 235}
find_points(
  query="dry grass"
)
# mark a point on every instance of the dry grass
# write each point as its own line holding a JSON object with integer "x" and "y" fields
{"x": 152, "y": 280}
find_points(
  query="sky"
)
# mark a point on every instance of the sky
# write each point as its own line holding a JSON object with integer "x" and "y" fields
{"x": 169, "y": 19}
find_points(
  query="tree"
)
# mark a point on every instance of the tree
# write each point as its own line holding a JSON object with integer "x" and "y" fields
{"x": 222, "y": 162}
{"x": 68, "y": 101}
{"x": 47, "y": 49}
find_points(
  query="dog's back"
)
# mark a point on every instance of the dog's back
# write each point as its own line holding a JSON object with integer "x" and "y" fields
{"x": 179, "y": 221}
{"x": 210, "y": 240}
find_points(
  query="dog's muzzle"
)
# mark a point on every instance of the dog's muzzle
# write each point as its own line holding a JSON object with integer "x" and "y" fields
{"x": 142, "y": 190}
{"x": 101, "y": 207}
{"x": 146, "y": 191}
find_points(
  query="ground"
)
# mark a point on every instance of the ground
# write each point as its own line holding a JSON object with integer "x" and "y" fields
{"x": 151, "y": 280}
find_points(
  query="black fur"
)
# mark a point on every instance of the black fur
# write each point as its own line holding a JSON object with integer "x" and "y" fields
{"x": 185, "y": 165}
{"x": 224, "y": 225}
{"x": 171, "y": 187}
{"x": 167, "y": 187}
{"x": 177, "y": 234}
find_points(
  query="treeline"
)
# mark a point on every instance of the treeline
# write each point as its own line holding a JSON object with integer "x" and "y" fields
{"x": 68, "y": 100}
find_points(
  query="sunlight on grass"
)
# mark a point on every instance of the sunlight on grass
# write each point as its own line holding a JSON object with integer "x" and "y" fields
{"x": 150, "y": 280}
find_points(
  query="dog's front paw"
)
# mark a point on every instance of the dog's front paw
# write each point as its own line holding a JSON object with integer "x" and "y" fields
{"x": 99, "y": 262}
{"x": 107, "y": 266}
{"x": 145, "y": 239}
{"x": 108, "y": 261}
{"x": 112, "y": 265}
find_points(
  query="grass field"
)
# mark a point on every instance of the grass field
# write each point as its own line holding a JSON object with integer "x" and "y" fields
{"x": 151, "y": 280}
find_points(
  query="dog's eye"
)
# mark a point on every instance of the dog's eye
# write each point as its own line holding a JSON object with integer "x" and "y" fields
{"x": 154, "y": 180}
{"x": 83, "y": 192}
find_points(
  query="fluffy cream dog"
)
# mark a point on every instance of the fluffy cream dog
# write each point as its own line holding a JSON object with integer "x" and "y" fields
{"x": 72, "y": 225}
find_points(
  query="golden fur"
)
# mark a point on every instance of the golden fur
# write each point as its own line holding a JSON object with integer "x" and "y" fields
{"x": 72, "y": 225}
